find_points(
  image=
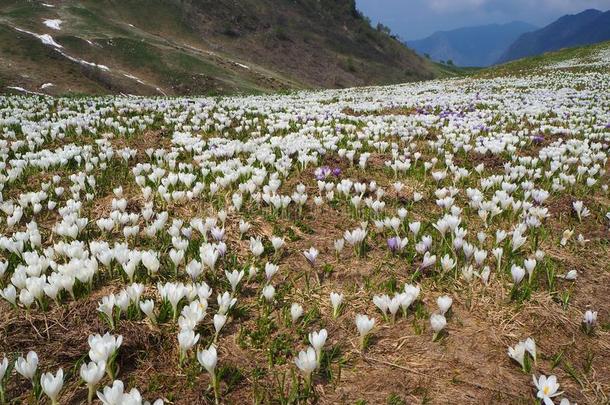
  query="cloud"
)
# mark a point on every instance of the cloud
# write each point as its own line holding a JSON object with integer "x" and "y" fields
{"x": 449, "y": 5}
{"x": 414, "y": 19}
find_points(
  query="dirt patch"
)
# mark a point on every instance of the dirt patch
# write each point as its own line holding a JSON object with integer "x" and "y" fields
{"x": 381, "y": 112}
{"x": 142, "y": 141}
{"x": 493, "y": 163}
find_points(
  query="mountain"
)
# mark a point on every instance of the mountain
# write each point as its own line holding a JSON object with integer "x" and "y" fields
{"x": 176, "y": 47}
{"x": 588, "y": 27}
{"x": 471, "y": 46}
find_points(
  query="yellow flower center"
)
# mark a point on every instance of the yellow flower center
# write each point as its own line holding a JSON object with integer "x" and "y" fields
{"x": 545, "y": 390}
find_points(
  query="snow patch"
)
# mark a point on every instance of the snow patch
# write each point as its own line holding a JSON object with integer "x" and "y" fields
{"x": 86, "y": 63}
{"x": 45, "y": 38}
{"x": 53, "y": 24}
{"x": 48, "y": 40}
{"x": 46, "y": 86}
{"x": 21, "y": 89}
{"x": 132, "y": 77}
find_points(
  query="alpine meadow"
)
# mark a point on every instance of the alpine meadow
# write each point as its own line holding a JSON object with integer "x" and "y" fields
{"x": 228, "y": 207}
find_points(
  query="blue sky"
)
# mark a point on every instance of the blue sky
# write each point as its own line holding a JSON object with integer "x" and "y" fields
{"x": 414, "y": 19}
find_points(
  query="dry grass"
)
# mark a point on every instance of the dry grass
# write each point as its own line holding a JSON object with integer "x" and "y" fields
{"x": 468, "y": 366}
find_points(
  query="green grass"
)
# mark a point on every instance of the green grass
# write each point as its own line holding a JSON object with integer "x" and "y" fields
{"x": 521, "y": 66}
{"x": 123, "y": 48}
{"x": 19, "y": 45}
{"x": 443, "y": 70}
{"x": 21, "y": 9}
{"x": 27, "y": 54}
{"x": 87, "y": 22}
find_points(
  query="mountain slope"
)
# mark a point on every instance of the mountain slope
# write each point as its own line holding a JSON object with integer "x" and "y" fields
{"x": 196, "y": 47}
{"x": 588, "y": 27}
{"x": 586, "y": 58}
{"x": 471, "y": 46}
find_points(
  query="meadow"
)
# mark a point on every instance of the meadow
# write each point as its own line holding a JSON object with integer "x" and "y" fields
{"x": 435, "y": 242}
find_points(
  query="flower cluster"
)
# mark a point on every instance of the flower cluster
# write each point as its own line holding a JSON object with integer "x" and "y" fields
{"x": 215, "y": 222}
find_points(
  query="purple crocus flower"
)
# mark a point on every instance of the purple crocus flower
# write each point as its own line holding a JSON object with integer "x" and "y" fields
{"x": 221, "y": 248}
{"x": 336, "y": 172}
{"x": 218, "y": 233}
{"x": 538, "y": 139}
{"x": 394, "y": 244}
{"x": 322, "y": 172}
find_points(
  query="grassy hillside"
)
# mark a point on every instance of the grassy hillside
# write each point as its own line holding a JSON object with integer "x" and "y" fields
{"x": 198, "y": 47}
{"x": 574, "y": 59}
{"x": 443, "y": 70}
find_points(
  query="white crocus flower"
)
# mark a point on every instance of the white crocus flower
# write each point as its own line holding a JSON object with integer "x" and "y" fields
{"x": 382, "y": 302}
{"x": 317, "y": 341}
{"x": 277, "y": 243}
{"x": 547, "y": 387}
{"x": 92, "y": 374}
{"x": 336, "y": 300}
{"x": 148, "y": 307}
{"x": 311, "y": 255}
{"x": 208, "y": 359}
{"x": 306, "y": 361}
{"x": 296, "y": 311}
{"x": 581, "y": 210}
{"x": 268, "y": 293}
{"x": 102, "y": 349}
{"x": 27, "y": 366}
{"x": 364, "y": 324}
{"x": 52, "y": 384}
{"x": 3, "y": 368}
{"x": 530, "y": 346}
{"x": 194, "y": 269}
{"x": 517, "y": 273}
{"x": 234, "y": 278}
{"x": 339, "y": 244}
{"x": 270, "y": 270}
{"x": 219, "y": 322}
{"x": 517, "y": 353}
{"x": 444, "y": 303}
{"x": 186, "y": 340}
{"x": 112, "y": 395}
{"x": 438, "y": 323}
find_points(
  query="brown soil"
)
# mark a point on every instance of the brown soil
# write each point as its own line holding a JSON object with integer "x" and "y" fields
{"x": 385, "y": 111}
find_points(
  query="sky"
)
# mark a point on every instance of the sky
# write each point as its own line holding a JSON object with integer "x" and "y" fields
{"x": 415, "y": 19}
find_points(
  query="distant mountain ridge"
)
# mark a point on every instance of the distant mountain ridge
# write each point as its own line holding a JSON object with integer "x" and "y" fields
{"x": 588, "y": 27}
{"x": 471, "y": 46}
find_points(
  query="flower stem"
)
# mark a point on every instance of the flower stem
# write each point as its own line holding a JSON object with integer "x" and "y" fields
{"x": 307, "y": 384}
{"x": 90, "y": 393}
{"x": 215, "y": 388}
